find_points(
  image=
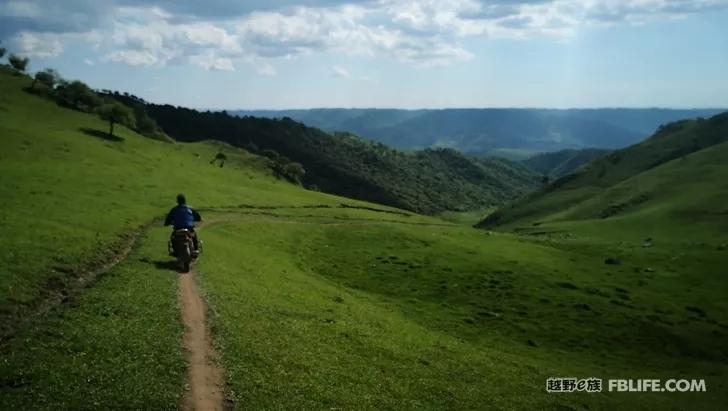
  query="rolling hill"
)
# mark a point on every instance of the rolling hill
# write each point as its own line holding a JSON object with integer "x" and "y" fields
{"x": 673, "y": 181}
{"x": 428, "y": 181}
{"x": 560, "y": 163}
{"x": 513, "y": 133}
{"x": 322, "y": 302}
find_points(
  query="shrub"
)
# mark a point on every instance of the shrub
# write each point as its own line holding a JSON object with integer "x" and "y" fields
{"x": 271, "y": 154}
{"x": 219, "y": 157}
{"x": 116, "y": 113}
{"x": 18, "y": 63}
{"x": 47, "y": 78}
{"x": 294, "y": 172}
{"x": 78, "y": 95}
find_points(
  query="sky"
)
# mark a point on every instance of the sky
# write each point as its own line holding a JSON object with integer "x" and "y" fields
{"x": 275, "y": 54}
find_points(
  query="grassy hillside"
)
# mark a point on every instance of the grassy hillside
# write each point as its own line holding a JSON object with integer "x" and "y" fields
{"x": 427, "y": 181}
{"x": 72, "y": 195}
{"x": 684, "y": 199}
{"x": 315, "y": 304}
{"x": 413, "y": 316}
{"x": 629, "y": 180}
{"x": 560, "y": 163}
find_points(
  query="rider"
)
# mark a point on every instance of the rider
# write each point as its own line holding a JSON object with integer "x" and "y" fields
{"x": 183, "y": 216}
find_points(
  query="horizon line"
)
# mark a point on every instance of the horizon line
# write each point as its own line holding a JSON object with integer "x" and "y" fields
{"x": 466, "y": 108}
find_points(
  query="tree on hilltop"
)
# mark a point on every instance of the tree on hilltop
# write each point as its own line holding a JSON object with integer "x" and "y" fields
{"x": 294, "y": 172}
{"x": 116, "y": 113}
{"x": 47, "y": 77}
{"x": 78, "y": 96}
{"x": 18, "y": 63}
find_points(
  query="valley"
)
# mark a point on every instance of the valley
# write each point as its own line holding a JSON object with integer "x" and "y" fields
{"x": 315, "y": 300}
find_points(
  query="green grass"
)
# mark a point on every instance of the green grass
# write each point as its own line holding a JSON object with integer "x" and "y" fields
{"x": 316, "y": 305}
{"x": 468, "y": 218}
{"x": 70, "y": 195}
{"x": 683, "y": 202}
{"x": 70, "y": 199}
{"x": 560, "y": 163}
{"x": 679, "y": 172}
{"x": 345, "y": 314}
{"x": 117, "y": 346}
{"x": 689, "y": 195}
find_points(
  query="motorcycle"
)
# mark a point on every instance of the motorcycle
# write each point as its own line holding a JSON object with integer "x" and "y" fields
{"x": 181, "y": 246}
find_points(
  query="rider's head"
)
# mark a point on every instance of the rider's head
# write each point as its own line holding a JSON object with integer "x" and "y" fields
{"x": 181, "y": 199}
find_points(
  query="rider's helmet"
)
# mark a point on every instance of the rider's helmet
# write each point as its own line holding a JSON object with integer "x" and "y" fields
{"x": 181, "y": 200}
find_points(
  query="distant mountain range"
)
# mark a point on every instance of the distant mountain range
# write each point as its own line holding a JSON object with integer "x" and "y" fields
{"x": 514, "y": 133}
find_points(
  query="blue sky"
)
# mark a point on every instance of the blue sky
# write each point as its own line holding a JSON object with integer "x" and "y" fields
{"x": 383, "y": 53}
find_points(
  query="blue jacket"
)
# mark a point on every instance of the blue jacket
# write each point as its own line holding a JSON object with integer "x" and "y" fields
{"x": 182, "y": 216}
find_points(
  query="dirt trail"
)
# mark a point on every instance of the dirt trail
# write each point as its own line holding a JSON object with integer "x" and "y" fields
{"x": 204, "y": 376}
{"x": 55, "y": 294}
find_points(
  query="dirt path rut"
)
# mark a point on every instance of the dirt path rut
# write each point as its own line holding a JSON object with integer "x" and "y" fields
{"x": 204, "y": 376}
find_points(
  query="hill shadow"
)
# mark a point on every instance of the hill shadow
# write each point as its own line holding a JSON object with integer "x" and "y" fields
{"x": 100, "y": 134}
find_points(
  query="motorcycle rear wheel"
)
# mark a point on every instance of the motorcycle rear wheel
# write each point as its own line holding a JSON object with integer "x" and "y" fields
{"x": 184, "y": 258}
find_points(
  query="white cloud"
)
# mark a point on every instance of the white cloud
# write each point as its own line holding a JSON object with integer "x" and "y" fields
{"x": 340, "y": 72}
{"x": 152, "y": 40}
{"x": 218, "y": 35}
{"x": 40, "y": 45}
{"x": 303, "y": 31}
{"x": 211, "y": 62}
{"x": 134, "y": 58}
{"x": 265, "y": 69}
{"x": 348, "y": 30}
{"x": 155, "y": 40}
{"x": 88, "y": 62}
